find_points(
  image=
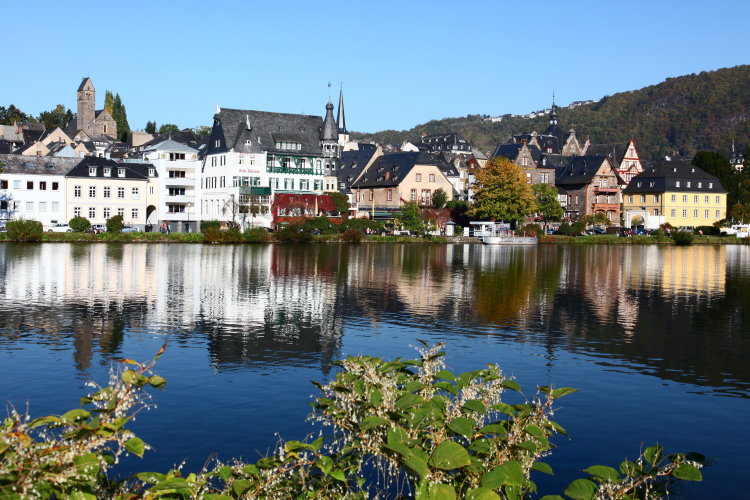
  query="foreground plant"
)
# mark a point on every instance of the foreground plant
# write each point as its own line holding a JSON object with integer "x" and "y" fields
{"x": 401, "y": 428}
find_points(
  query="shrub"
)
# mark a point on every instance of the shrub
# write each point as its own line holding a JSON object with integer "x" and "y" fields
{"x": 352, "y": 236}
{"x": 321, "y": 224}
{"x": 293, "y": 233}
{"x": 361, "y": 225}
{"x": 115, "y": 224}
{"x": 707, "y": 230}
{"x": 682, "y": 237}
{"x": 564, "y": 229}
{"x": 577, "y": 228}
{"x": 213, "y": 235}
{"x": 79, "y": 224}
{"x": 532, "y": 230}
{"x": 424, "y": 431}
{"x": 210, "y": 224}
{"x": 24, "y": 230}
{"x": 256, "y": 235}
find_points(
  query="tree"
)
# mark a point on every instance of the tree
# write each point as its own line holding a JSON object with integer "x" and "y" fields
{"x": 547, "y": 203}
{"x": 119, "y": 115}
{"x": 411, "y": 217}
{"x": 151, "y": 128}
{"x": 11, "y": 114}
{"x": 439, "y": 198}
{"x": 58, "y": 117}
{"x": 502, "y": 192}
{"x": 340, "y": 201}
{"x": 115, "y": 224}
{"x": 597, "y": 219}
{"x": 202, "y": 130}
{"x": 109, "y": 101}
{"x": 168, "y": 127}
{"x": 79, "y": 224}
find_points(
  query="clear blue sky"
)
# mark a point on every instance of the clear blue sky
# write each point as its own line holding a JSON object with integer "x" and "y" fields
{"x": 401, "y": 62}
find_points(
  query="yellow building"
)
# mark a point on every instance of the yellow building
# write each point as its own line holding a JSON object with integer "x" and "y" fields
{"x": 674, "y": 192}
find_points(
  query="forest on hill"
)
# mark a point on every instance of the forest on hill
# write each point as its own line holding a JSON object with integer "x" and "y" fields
{"x": 681, "y": 115}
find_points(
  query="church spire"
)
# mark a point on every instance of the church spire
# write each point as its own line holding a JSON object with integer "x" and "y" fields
{"x": 329, "y": 125}
{"x": 341, "y": 121}
{"x": 553, "y": 113}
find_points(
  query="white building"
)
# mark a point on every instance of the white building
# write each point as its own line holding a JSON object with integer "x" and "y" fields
{"x": 34, "y": 188}
{"x": 178, "y": 168}
{"x": 251, "y": 155}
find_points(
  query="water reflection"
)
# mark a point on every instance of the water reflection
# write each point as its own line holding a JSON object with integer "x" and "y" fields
{"x": 678, "y": 313}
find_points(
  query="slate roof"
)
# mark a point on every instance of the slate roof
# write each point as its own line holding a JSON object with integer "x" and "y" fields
{"x": 615, "y": 152}
{"x": 39, "y": 165}
{"x": 444, "y": 142}
{"x": 511, "y": 151}
{"x": 233, "y": 127}
{"x": 83, "y": 83}
{"x": 10, "y": 133}
{"x": 186, "y": 136}
{"x": 664, "y": 175}
{"x": 388, "y": 170}
{"x": 579, "y": 170}
{"x": 132, "y": 170}
{"x": 555, "y": 161}
{"x": 330, "y": 130}
{"x": 352, "y": 163}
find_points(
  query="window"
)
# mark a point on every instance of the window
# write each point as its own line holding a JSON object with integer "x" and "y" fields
{"x": 317, "y": 185}
{"x": 684, "y": 198}
{"x": 16, "y": 184}
{"x": 107, "y": 172}
{"x": 419, "y": 178}
{"x": 92, "y": 191}
{"x": 656, "y": 212}
{"x": 288, "y": 183}
{"x": 710, "y": 185}
{"x": 643, "y": 198}
{"x": 576, "y": 199}
{"x": 700, "y": 185}
{"x": 121, "y": 192}
{"x": 389, "y": 195}
{"x": 674, "y": 198}
{"x": 134, "y": 214}
{"x": 92, "y": 171}
{"x": 3, "y": 205}
{"x": 528, "y": 178}
{"x": 718, "y": 214}
{"x": 29, "y": 206}
{"x": 135, "y": 193}
{"x": 151, "y": 190}
{"x": 426, "y": 197}
{"x": 687, "y": 184}
{"x": 544, "y": 177}
{"x": 55, "y": 186}
{"x": 695, "y": 214}
{"x": 705, "y": 214}
{"x": 55, "y": 206}
{"x": 120, "y": 172}
{"x": 630, "y": 198}
{"x": 304, "y": 184}
{"x": 92, "y": 213}
{"x": 121, "y": 212}
{"x": 175, "y": 174}
{"x": 656, "y": 198}
{"x": 179, "y": 209}
{"x": 151, "y": 172}
{"x": 707, "y": 199}
{"x": 107, "y": 191}
{"x": 176, "y": 191}
{"x": 105, "y": 212}
{"x": 3, "y": 184}
{"x": 76, "y": 211}
{"x": 718, "y": 199}
{"x": 43, "y": 186}
{"x": 29, "y": 184}
{"x": 524, "y": 162}
{"x": 673, "y": 213}
{"x": 372, "y": 195}
{"x": 684, "y": 213}
{"x": 677, "y": 184}
{"x": 286, "y": 162}
{"x": 695, "y": 199}
{"x": 76, "y": 191}
{"x": 432, "y": 177}
{"x": 413, "y": 195}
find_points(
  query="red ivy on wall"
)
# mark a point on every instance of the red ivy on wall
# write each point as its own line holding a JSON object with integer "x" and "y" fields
{"x": 288, "y": 207}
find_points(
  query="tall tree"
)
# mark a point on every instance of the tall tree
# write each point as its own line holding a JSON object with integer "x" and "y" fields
{"x": 12, "y": 114}
{"x": 151, "y": 128}
{"x": 119, "y": 115}
{"x": 109, "y": 101}
{"x": 502, "y": 192}
{"x": 439, "y": 198}
{"x": 58, "y": 117}
{"x": 168, "y": 127}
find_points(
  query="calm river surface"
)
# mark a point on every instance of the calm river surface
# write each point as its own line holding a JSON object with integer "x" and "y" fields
{"x": 656, "y": 339}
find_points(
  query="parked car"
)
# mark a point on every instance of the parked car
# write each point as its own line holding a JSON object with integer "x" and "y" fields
{"x": 59, "y": 228}
{"x": 129, "y": 229}
{"x": 97, "y": 228}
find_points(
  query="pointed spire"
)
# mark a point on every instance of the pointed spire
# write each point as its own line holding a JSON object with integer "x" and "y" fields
{"x": 553, "y": 113}
{"x": 329, "y": 124}
{"x": 341, "y": 121}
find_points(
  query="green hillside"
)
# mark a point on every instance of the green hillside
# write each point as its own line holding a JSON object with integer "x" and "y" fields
{"x": 683, "y": 114}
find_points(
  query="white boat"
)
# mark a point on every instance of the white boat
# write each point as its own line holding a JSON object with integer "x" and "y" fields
{"x": 510, "y": 240}
{"x": 738, "y": 230}
{"x": 499, "y": 233}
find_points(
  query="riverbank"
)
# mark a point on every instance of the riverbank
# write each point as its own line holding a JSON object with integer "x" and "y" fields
{"x": 605, "y": 239}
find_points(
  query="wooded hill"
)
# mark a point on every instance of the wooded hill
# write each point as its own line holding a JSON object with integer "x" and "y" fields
{"x": 680, "y": 115}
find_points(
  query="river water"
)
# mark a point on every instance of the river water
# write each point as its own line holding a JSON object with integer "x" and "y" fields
{"x": 655, "y": 339}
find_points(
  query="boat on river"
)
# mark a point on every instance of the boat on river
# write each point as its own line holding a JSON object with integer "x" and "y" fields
{"x": 499, "y": 233}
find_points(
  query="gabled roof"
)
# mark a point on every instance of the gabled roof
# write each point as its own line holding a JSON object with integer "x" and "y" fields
{"x": 10, "y": 133}
{"x": 580, "y": 170}
{"x": 249, "y": 131}
{"x": 83, "y": 83}
{"x": 511, "y": 151}
{"x": 352, "y": 163}
{"x": 132, "y": 170}
{"x": 170, "y": 145}
{"x": 38, "y": 165}
{"x": 615, "y": 152}
{"x": 388, "y": 170}
{"x": 664, "y": 176}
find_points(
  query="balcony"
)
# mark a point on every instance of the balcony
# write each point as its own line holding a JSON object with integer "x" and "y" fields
{"x": 179, "y": 216}
{"x": 255, "y": 190}
{"x": 293, "y": 170}
{"x": 179, "y": 181}
{"x": 605, "y": 207}
{"x": 180, "y": 199}
{"x": 608, "y": 189}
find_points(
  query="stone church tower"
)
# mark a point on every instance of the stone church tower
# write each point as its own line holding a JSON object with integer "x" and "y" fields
{"x": 86, "y": 107}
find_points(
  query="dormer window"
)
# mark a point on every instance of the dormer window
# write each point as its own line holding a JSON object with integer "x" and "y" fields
{"x": 120, "y": 172}
{"x": 639, "y": 184}
{"x": 700, "y": 185}
{"x": 687, "y": 184}
{"x": 677, "y": 184}
{"x": 151, "y": 172}
{"x": 92, "y": 171}
{"x": 107, "y": 172}
{"x": 710, "y": 185}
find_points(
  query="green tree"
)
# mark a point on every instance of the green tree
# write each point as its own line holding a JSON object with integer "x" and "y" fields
{"x": 411, "y": 217}
{"x": 202, "y": 130}
{"x": 439, "y": 198}
{"x": 58, "y": 117}
{"x": 119, "y": 115}
{"x": 547, "y": 203}
{"x": 340, "y": 201}
{"x": 11, "y": 114}
{"x": 115, "y": 224}
{"x": 79, "y": 224}
{"x": 109, "y": 103}
{"x": 502, "y": 192}
{"x": 168, "y": 127}
{"x": 151, "y": 128}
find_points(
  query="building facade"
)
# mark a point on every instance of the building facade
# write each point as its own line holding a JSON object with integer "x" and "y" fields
{"x": 591, "y": 185}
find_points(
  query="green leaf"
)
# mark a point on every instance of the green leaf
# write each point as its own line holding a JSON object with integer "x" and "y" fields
{"x": 376, "y": 398}
{"x": 463, "y": 426}
{"x": 474, "y": 405}
{"x": 156, "y": 381}
{"x": 338, "y": 474}
{"x": 214, "y": 496}
{"x": 371, "y": 422}
{"x": 512, "y": 385}
{"x": 504, "y": 408}
{"x": 498, "y": 429}
{"x": 513, "y": 474}
{"x": 175, "y": 483}
{"x": 563, "y": 391}
{"x": 408, "y": 401}
{"x": 581, "y": 489}
{"x": 552, "y": 497}
{"x": 542, "y": 467}
{"x": 251, "y": 470}
{"x": 414, "y": 386}
{"x": 446, "y": 386}
{"x": 43, "y": 421}
{"x": 527, "y": 445}
{"x": 481, "y": 446}
{"x": 445, "y": 375}
{"x": 535, "y": 431}
{"x": 629, "y": 468}
{"x": 653, "y": 454}
{"x": 441, "y": 492}
{"x": 136, "y": 446}
{"x": 74, "y": 415}
{"x": 603, "y": 472}
{"x": 325, "y": 464}
{"x": 150, "y": 477}
{"x": 687, "y": 472}
{"x": 241, "y": 486}
{"x": 129, "y": 377}
{"x": 86, "y": 464}
{"x": 417, "y": 465}
{"x": 225, "y": 473}
{"x": 449, "y": 455}
{"x": 481, "y": 494}
{"x": 494, "y": 478}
